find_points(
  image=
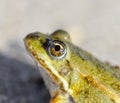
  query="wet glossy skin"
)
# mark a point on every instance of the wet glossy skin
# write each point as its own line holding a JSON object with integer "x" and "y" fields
{"x": 71, "y": 74}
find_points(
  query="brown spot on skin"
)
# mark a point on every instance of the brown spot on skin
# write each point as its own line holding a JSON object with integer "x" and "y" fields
{"x": 89, "y": 79}
{"x": 112, "y": 100}
{"x": 116, "y": 67}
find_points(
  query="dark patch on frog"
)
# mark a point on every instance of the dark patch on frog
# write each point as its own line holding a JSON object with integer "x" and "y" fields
{"x": 46, "y": 44}
{"x": 113, "y": 100}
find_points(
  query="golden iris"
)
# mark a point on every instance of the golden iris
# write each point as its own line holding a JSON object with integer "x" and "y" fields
{"x": 57, "y": 49}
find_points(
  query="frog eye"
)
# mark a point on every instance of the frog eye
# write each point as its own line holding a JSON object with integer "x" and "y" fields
{"x": 56, "y": 49}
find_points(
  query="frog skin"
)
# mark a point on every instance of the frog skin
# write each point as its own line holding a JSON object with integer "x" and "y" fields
{"x": 71, "y": 74}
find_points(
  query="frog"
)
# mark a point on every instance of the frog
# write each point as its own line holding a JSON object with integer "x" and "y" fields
{"x": 71, "y": 74}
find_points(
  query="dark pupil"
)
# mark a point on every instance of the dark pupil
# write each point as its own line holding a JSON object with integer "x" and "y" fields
{"x": 57, "y": 47}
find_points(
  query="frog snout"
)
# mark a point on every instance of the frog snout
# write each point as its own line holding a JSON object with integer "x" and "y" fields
{"x": 30, "y": 37}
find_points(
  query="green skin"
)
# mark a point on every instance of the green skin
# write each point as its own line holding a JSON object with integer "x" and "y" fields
{"x": 77, "y": 77}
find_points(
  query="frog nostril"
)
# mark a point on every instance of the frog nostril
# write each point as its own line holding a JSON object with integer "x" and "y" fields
{"x": 33, "y": 35}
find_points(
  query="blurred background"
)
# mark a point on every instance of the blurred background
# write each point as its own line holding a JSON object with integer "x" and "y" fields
{"x": 94, "y": 25}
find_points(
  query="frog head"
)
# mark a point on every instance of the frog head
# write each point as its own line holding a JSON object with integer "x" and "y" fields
{"x": 52, "y": 53}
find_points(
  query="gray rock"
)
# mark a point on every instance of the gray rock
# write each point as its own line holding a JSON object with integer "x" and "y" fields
{"x": 20, "y": 82}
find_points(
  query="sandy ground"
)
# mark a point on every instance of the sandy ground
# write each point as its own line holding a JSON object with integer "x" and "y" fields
{"x": 93, "y": 25}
